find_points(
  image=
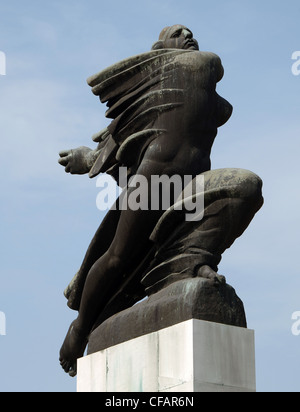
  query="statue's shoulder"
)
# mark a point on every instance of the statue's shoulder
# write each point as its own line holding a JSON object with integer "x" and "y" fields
{"x": 199, "y": 58}
{"x": 202, "y": 62}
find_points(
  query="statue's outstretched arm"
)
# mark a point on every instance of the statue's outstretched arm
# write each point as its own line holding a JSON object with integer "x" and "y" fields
{"x": 80, "y": 160}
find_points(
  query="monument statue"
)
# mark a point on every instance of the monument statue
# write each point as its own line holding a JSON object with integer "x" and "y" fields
{"x": 165, "y": 115}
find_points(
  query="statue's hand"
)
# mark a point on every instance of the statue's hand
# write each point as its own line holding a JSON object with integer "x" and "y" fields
{"x": 76, "y": 161}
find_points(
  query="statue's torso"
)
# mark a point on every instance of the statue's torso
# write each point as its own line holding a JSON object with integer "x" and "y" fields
{"x": 191, "y": 127}
{"x": 165, "y": 109}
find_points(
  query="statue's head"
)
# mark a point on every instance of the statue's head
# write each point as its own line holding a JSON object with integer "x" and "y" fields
{"x": 176, "y": 37}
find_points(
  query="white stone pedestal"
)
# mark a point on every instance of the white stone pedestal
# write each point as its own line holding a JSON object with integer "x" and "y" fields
{"x": 192, "y": 356}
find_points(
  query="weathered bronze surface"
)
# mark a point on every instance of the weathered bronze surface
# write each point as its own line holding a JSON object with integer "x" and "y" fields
{"x": 165, "y": 114}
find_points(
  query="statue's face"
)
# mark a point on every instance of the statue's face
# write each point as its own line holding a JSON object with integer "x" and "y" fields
{"x": 180, "y": 37}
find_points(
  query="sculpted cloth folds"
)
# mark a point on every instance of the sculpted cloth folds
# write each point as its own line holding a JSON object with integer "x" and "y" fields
{"x": 138, "y": 91}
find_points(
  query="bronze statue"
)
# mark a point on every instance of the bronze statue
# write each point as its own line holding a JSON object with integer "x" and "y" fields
{"x": 165, "y": 114}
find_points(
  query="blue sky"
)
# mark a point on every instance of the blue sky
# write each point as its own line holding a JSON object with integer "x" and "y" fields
{"x": 48, "y": 217}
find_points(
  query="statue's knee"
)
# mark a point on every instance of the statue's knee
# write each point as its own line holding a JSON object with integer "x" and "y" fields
{"x": 232, "y": 183}
{"x": 250, "y": 187}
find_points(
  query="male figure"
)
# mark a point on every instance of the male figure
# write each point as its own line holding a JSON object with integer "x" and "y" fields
{"x": 165, "y": 113}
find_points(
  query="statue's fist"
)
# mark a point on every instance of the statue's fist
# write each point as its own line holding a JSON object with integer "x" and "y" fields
{"x": 76, "y": 161}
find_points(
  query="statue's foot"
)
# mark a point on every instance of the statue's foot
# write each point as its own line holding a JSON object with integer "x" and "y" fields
{"x": 208, "y": 273}
{"x": 72, "y": 349}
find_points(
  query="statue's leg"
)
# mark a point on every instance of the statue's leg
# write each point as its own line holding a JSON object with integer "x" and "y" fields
{"x": 189, "y": 249}
{"x": 98, "y": 246}
{"x": 130, "y": 243}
